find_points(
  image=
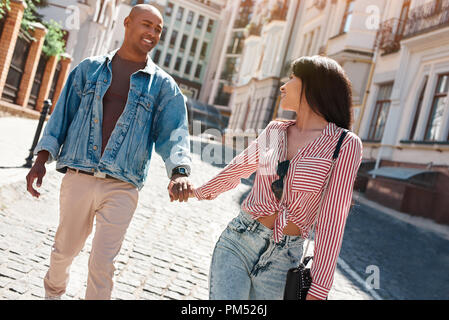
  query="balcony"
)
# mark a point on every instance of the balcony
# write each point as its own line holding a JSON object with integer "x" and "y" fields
{"x": 428, "y": 17}
{"x": 253, "y": 29}
{"x": 389, "y": 35}
{"x": 278, "y": 12}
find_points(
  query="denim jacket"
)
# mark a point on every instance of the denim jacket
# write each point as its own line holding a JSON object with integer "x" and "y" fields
{"x": 155, "y": 113}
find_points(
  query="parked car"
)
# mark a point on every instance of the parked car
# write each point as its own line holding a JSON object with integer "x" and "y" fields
{"x": 207, "y": 115}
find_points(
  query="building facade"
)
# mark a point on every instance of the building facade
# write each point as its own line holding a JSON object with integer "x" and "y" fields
{"x": 396, "y": 55}
{"x": 405, "y": 123}
{"x": 88, "y": 24}
{"x": 255, "y": 93}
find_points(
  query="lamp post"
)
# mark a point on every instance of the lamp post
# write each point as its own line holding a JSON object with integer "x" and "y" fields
{"x": 47, "y": 106}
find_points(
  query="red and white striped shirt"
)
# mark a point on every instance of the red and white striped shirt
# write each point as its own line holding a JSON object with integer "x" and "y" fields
{"x": 303, "y": 186}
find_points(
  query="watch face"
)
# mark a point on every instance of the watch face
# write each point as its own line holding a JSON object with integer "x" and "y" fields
{"x": 182, "y": 170}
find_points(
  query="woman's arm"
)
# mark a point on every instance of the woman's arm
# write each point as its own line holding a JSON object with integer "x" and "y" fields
{"x": 242, "y": 166}
{"x": 332, "y": 219}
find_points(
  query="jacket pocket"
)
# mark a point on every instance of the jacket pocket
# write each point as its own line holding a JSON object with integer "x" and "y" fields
{"x": 310, "y": 174}
{"x": 88, "y": 94}
{"x": 144, "y": 110}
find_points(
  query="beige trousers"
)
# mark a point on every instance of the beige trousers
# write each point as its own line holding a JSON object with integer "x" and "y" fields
{"x": 82, "y": 198}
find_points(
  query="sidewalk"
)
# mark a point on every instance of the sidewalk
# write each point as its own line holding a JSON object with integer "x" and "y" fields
{"x": 168, "y": 246}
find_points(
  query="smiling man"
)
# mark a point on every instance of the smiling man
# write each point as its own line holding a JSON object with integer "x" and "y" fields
{"x": 111, "y": 112}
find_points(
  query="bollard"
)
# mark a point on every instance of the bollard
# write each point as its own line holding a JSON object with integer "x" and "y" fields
{"x": 29, "y": 160}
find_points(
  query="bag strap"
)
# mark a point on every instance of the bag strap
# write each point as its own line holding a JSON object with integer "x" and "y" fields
{"x": 334, "y": 159}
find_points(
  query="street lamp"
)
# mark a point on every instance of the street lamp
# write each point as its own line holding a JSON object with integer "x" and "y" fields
{"x": 29, "y": 160}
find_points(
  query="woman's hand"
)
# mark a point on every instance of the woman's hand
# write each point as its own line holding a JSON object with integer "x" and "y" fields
{"x": 310, "y": 297}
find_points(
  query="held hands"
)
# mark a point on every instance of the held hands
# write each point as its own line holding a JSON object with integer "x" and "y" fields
{"x": 180, "y": 188}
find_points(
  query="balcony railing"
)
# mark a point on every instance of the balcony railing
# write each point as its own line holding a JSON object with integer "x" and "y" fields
{"x": 425, "y": 18}
{"x": 428, "y": 17}
{"x": 389, "y": 35}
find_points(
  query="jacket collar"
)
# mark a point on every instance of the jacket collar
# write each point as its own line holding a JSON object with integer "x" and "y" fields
{"x": 150, "y": 66}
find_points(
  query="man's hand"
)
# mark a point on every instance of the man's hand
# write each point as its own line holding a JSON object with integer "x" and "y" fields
{"x": 179, "y": 188}
{"x": 37, "y": 172}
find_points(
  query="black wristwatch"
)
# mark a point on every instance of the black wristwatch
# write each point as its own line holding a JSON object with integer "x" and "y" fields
{"x": 180, "y": 170}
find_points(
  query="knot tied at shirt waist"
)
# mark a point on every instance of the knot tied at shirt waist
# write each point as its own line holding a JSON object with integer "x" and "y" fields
{"x": 280, "y": 223}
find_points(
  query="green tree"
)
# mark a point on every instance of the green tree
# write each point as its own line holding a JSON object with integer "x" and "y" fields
{"x": 53, "y": 43}
{"x": 4, "y": 7}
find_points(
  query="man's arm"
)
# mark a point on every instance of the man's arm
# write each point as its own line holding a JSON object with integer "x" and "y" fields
{"x": 65, "y": 109}
{"x": 55, "y": 131}
{"x": 172, "y": 141}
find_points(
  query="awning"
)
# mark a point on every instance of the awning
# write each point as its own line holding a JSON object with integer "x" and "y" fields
{"x": 399, "y": 173}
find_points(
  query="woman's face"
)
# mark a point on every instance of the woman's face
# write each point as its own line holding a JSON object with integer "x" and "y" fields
{"x": 291, "y": 94}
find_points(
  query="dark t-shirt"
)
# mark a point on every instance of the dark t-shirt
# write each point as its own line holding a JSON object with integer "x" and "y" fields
{"x": 115, "y": 98}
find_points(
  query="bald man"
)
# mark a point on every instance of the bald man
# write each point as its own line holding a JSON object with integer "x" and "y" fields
{"x": 111, "y": 112}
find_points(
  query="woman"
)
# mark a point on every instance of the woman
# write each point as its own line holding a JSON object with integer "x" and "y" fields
{"x": 292, "y": 162}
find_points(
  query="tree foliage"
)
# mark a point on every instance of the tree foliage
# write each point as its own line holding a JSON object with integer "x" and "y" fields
{"x": 53, "y": 43}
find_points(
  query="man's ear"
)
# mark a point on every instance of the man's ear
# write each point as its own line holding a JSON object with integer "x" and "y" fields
{"x": 126, "y": 21}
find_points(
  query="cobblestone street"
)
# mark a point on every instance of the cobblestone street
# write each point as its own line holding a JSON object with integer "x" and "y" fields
{"x": 167, "y": 249}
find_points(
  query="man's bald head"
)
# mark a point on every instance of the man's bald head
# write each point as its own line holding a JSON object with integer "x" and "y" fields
{"x": 144, "y": 8}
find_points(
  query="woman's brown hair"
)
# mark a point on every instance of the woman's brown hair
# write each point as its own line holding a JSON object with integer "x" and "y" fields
{"x": 328, "y": 89}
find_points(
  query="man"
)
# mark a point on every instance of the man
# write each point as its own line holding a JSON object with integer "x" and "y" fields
{"x": 111, "y": 111}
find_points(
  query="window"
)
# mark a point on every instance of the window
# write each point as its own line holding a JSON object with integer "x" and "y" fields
{"x": 174, "y": 35}
{"x": 167, "y": 60}
{"x": 169, "y": 9}
{"x": 309, "y": 45}
{"x": 203, "y": 50}
{"x": 210, "y": 25}
{"x": 403, "y": 18}
{"x": 418, "y": 110}
{"x": 164, "y": 32}
{"x": 198, "y": 71}
{"x": 193, "y": 47}
{"x": 188, "y": 67}
{"x": 380, "y": 115}
{"x": 157, "y": 55}
{"x": 200, "y": 22}
{"x": 183, "y": 42}
{"x": 439, "y": 103}
{"x": 180, "y": 13}
{"x": 190, "y": 17}
{"x": 346, "y": 23}
{"x": 178, "y": 63}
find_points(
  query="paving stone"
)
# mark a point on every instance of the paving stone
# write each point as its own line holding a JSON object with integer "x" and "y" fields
{"x": 24, "y": 268}
{"x": 4, "y": 281}
{"x": 155, "y": 290}
{"x": 10, "y": 273}
{"x": 19, "y": 286}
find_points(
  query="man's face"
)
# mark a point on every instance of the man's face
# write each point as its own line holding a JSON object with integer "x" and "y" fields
{"x": 143, "y": 30}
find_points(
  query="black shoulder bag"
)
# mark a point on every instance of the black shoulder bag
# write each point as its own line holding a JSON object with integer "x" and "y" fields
{"x": 299, "y": 279}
